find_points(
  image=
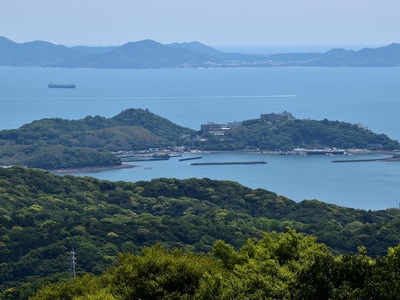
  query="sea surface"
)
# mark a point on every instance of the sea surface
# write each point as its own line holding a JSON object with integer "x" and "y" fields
{"x": 191, "y": 97}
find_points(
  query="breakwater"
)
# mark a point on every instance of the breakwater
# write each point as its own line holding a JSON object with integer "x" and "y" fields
{"x": 229, "y": 163}
{"x": 355, "y": 160}
{"x": 190, "y": 158}
{"x": 395, "y": 158}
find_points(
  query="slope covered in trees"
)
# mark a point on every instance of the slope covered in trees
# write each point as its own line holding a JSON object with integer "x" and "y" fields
{"x": 42, "y": 217}
{"x": 289, "y": 134}
{"x": 277, "y": 266}
{"x": 59, "y": 143}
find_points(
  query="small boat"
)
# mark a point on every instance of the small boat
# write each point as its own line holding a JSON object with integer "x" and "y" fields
{"x": 62, "y": 85}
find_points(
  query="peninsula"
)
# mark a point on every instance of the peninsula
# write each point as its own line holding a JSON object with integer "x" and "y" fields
{"x": 98, "y": 142}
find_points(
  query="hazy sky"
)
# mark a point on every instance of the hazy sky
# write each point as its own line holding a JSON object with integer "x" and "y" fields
{"x": 213, "y": 22}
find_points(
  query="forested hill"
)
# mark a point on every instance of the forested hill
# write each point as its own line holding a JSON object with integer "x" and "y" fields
{"x": 59, "y": 143}
{"x": 43, "y": 216}
{"x": 279, "y": 266}
{"x": 289, "y": 134}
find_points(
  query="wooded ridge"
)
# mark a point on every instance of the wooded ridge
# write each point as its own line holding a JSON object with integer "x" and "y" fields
{"x": 43, "y": 216}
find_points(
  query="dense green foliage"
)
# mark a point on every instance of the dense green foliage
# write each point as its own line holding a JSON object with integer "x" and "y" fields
{"x": 278, "y": 266}
{"x": 56, "y": 156}
{"x": 286, "y": 135}
{"x": 59, "y": 143}
{"x": 43, "y": 216}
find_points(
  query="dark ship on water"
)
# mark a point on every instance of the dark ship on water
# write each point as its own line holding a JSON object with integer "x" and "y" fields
{"x": 62, "y": 85}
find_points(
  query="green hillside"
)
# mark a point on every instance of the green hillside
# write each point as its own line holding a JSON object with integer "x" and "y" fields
{"x": 43, "y": 216}
{"x": 289, "y": 134}
{"x": 58, "y": 143}
{"x": 276, "y": 267}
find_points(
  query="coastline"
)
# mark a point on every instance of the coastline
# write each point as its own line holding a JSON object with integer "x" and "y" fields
{"x": 97, "y": 169}
{"x": 94, "y": 169}
{"x": 278, "y": 152}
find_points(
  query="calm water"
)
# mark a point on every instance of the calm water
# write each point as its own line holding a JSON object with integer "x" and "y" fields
{"x": 190, "y": 97}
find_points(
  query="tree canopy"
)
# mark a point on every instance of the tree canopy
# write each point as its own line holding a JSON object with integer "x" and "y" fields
{"x": 43, "y": 216}
{"x": 277, "y": 266}
{"x": 58, "y": 143}
{"x": 289, "y": 134}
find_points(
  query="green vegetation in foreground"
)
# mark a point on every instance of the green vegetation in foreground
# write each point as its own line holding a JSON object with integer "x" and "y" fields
{"x": 290, "y": 134}
{"x": 58, "y": 143}
{"x": 43, "y": 216}
{"x": 278, "y": 266}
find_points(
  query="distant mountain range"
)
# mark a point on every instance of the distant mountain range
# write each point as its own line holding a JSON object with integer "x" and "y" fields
{"x": 150, "y": 54}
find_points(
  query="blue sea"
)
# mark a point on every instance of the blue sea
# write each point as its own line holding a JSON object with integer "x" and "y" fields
{"x": 191, "y": 97}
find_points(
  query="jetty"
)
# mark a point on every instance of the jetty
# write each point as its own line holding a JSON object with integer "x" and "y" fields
{"x": 356, "y": 160}
{"x": 229, "y": 163}
{"x": 190, "y": 158}
{"x": 394, "y": 158}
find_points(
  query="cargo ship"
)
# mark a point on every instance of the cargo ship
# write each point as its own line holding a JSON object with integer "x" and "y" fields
{"x": 62, "y": 85}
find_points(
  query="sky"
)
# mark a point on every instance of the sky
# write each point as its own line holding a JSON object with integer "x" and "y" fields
{"x": 212, "y": 22}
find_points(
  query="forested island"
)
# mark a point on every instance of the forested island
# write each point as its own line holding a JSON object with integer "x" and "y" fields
{"x": 225, "y": 233}
{"x": 93, "y": 141}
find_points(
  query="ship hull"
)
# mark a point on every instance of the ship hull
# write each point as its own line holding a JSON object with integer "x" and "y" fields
{"x": 61, "y": 85}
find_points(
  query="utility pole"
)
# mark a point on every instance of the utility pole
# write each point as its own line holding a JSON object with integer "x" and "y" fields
{"x": 72, "y": 263}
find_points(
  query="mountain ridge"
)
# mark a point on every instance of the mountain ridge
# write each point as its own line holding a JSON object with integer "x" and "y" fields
{"x": 148, "y": 53}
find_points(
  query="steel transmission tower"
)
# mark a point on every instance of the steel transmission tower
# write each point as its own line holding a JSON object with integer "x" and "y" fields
{"x": 72, "y": 263}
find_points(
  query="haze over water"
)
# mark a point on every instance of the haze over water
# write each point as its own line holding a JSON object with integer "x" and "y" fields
{"x": 190, "y": 97}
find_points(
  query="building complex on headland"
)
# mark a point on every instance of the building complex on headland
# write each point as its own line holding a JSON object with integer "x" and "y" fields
{"x": 273, "y": 117}
{"x": 220, "y": 128}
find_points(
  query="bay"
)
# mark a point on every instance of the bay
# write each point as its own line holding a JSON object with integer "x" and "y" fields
{"x": 190, "y": 97}
{"x": 365, "y": 185}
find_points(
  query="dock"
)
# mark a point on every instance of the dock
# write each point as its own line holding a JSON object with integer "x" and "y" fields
{"x": 229, "y": 163}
